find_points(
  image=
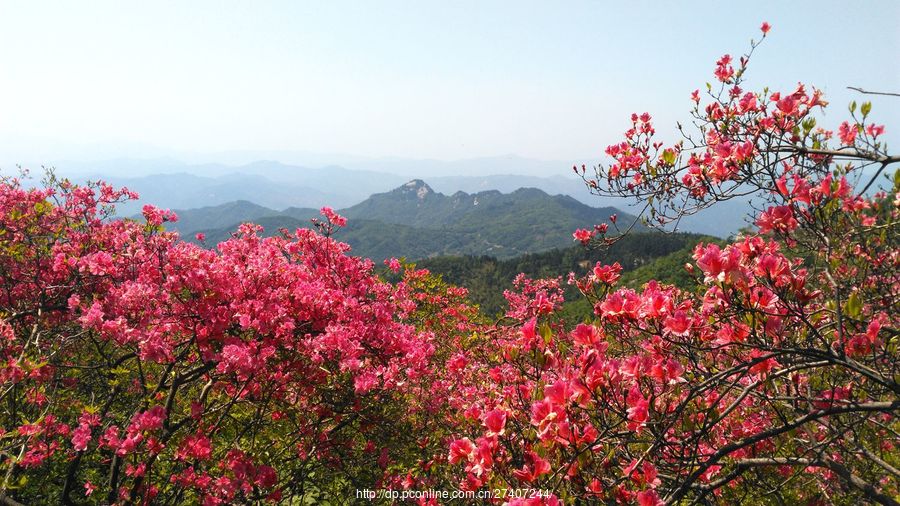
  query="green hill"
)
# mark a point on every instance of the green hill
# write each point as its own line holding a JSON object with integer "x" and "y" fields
{"x": 417, "y": 205}
{"x": 227, "y": 215}
{"x": 415, "y": 222}
{"x": 642, "y": 256}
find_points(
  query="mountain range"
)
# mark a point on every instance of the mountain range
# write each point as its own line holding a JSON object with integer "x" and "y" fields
{"x": 174, "y": 184}
{"x": 415, "y": 221}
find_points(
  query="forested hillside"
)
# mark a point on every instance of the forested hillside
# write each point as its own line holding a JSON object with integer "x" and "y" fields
{"x": 415, "y": 222}
{"x": 642, "y": 257}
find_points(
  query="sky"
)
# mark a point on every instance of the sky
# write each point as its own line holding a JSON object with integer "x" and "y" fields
{"x": 442, "y": 80}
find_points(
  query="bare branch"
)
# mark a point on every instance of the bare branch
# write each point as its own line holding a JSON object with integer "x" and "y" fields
{"x": 886, "y": 93}
{"x": 851, "y": 479}
{"x": 726, "y": 450}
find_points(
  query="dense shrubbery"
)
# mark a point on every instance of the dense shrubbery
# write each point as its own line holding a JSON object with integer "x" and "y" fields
{"x": 140, "y": 369}
{"x": 152, "y": 368}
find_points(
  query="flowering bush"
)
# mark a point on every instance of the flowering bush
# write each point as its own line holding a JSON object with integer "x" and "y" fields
{"x": 776, "y": 377}
{"x": 158, "y": 371}
{"x": 140, "y": 369}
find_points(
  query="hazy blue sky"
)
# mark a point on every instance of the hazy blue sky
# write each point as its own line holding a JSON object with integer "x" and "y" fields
{"x": 444, "y": 80}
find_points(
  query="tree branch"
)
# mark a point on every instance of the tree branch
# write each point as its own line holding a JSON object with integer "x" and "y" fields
{"x": 726, "y": 450}
{"x": 8, "y": 501}
{"x": 886, "y": 93}
{"x": 851, "y": 479}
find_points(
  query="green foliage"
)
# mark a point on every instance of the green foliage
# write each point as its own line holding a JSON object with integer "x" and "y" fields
{"x": 642, "y": 256}
{"x": 669, "y": 269}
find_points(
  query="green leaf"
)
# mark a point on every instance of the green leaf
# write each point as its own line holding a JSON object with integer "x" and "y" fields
{"x": 853, "y": 106}
{"x": 809, "y": 124}
{"x": 865, "y": 108}
{"x": 853, "y": 307}
{"x": 546, "y": 332}
{"x": 668, "y": 156}
{"x": 42, "y": 207}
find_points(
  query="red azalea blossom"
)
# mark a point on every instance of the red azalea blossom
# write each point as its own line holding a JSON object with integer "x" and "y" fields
{"x": 583, "y": 236}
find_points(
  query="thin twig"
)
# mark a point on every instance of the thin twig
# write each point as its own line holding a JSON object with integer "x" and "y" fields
{"x": 887, "y": 93}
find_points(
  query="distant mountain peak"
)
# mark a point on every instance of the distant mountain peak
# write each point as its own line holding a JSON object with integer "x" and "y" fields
{"x": 416, "y": 186}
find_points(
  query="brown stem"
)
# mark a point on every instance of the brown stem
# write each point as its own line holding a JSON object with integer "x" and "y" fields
{"x": 849, "y": 478}
{"x": 726, "y": 450}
